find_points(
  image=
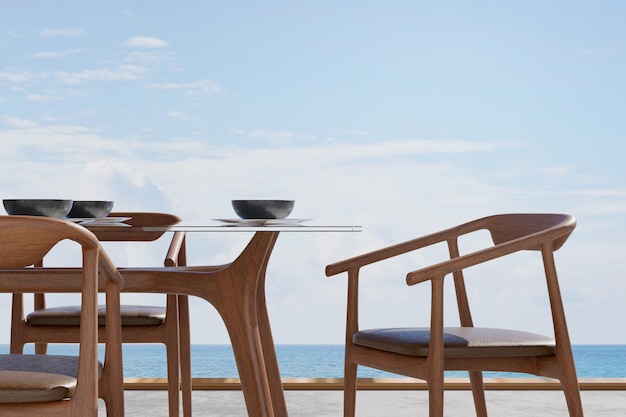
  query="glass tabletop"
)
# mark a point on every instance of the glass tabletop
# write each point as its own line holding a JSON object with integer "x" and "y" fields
{"x": 247, "y": 228}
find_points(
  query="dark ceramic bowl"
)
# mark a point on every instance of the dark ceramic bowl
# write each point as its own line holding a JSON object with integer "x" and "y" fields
{"x": 263, "y": 209}
{"x": 38, "y": 207}
{"x": 90, "y": 209}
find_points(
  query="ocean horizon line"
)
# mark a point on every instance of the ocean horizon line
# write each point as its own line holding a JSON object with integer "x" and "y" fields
{"x": 319, "y": 361}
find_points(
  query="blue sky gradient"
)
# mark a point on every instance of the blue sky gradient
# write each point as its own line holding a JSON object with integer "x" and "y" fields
{"x": 401, "y": 116}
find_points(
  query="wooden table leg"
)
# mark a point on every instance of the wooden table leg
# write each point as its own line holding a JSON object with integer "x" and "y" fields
{"x": 237, "y": 292}
{"x": 271, "y": 362}
{"x": 260, "y": 249}
{"x": 241, "y": 303}
{"x": 267, "y": 342}
{"x": 253, "y": 375}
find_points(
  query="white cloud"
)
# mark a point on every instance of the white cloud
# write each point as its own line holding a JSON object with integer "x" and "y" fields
{"x": 61, "y": 143}
{"x": 121, "y": 73}
{"x": 355, "y": 132}
{"x": 42, "y": 98}
{"x": 19, "y": 76}
{"x": 126, "y": 72}
{"x": 596, "y": 193}
{"x": 145, "y": 42}
{"x": 277, "y": 137}
{"x": 18, "y": 123}
{"x": 70, "y": 92}
{"x": 55, "y": 54}
{"x": 558, "y": 170}
{"x": 181, "y": 116}
{"x": 333, "y": 183}
{"x": 393, "y": 199}
{"x": 149, "y": 57}
{"x": 53, "y": 119}
{"x": 67, "y": 32}
{"x": 65, "y": 143}
{"x": 191, "y": 88}
{"x": 597, "y": 51}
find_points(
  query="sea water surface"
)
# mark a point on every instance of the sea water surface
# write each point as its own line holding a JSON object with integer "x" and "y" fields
{"x": 320, "y": 361}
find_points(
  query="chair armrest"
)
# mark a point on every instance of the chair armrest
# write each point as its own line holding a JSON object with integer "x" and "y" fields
{"x": 400, "y": 249}
{"x": 108, "y": 269}
{"x": 532, "y": 241}
{"x": 175, "y": 250}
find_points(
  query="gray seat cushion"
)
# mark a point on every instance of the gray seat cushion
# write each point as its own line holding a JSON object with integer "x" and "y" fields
{"x": 459, "y": 342}
{"x": 70, "y": 316}
{"x": 37, "y": 378}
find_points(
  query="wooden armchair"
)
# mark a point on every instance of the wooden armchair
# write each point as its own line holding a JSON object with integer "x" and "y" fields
{"x": 426, "y": 352}
{"x": 42, "y": 385}
{"x": 167, "y": 324}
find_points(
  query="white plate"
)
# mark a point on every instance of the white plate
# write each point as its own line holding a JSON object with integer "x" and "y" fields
{"x": 262, "y": 222}
{"x": 101, "y": 221}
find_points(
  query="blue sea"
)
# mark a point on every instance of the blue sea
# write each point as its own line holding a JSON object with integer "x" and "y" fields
{"x": 321, "y": 361}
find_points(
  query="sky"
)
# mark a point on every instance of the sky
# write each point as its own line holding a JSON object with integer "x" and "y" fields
{"x": 403, "y": 117}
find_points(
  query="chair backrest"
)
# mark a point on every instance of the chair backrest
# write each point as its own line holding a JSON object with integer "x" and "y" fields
{"x": 137, "y": 220}
{"x": 503, "y": 228}
{"x": 24, "y": 240}
{"x": 507, "y": 227}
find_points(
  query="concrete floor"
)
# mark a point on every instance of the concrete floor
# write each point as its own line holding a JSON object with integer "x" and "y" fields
{"x": 384, "y": 404}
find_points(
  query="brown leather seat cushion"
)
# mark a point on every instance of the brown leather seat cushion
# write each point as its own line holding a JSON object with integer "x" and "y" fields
{"x": 37, "y": 378}
{"x": 459, "y": 342}
{"x": 70, "y": 316}
{"x": 34, "y": 387}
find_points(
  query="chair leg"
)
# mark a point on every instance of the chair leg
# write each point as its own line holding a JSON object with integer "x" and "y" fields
{"x": 435, "y": 397}
{"x": 112, "y": 393}
{"x": 41, "y": 348}
{"x": 16, "y": 346}
{"x": 17, "y": 324}
{"x": 173, "y": 380}
{"x": 572, "y": 397}
{"x": 112, "y": 408}
{"x": 478, "y": 392}
{"x": 40, "y": 304}
{"x": 349, "y": 389}
{"x": 185, "y": 353}
{"x": 172, "y": 348}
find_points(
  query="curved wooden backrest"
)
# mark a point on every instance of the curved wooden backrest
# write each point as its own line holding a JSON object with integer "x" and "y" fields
{"x": 507, "y": 227}
{"x": 137, "y": 220}
{"x": 140, "y": 219}
{"x": 25, "y": 240}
